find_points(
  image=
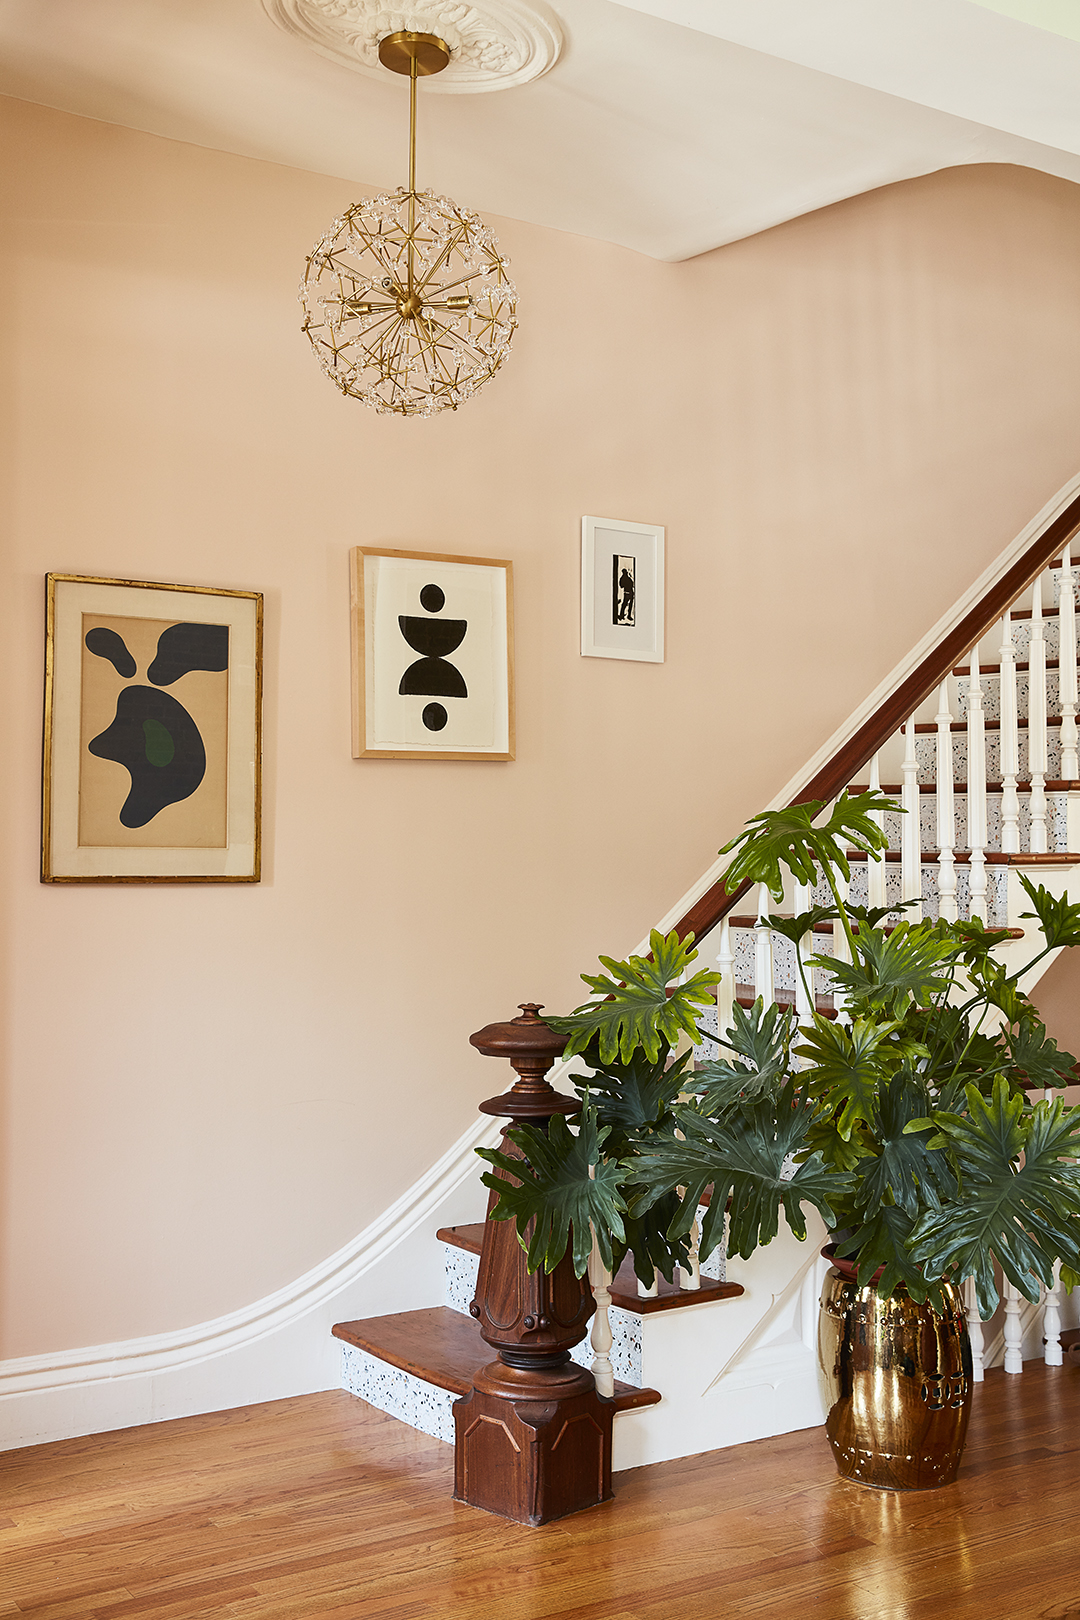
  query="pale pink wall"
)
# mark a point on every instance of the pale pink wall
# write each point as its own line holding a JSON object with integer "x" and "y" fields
{"x": 841, "y": 422}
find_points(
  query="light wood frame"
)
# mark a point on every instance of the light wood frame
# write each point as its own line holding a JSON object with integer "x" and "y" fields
{"x": 63, "y": 860}
{"x": 366, "y": 743}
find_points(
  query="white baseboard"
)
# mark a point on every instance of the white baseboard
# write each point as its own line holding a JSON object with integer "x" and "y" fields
{"x": 279, "y": 1346}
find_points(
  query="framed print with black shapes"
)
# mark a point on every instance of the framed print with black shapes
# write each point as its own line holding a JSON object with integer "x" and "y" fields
{"x": 152, "y": 733}
{"x": 433, "y": 656}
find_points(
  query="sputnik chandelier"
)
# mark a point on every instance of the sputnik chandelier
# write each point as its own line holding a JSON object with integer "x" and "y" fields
{"x": 407, "y": 300}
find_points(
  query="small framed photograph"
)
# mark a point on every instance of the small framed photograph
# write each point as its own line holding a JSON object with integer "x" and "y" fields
{"x": 622, "y": 590}
{"x": 152, "y": 737}
{"x": 433, "y": 656}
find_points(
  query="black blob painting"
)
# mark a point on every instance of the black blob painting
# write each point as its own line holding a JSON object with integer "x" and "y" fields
{"x": 158, "y": 744}
{"x": 154, "y": 762}
{"x": 623, "y": 590}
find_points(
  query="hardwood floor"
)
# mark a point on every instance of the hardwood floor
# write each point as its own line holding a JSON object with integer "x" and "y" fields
{"x": 321, "y": 1506}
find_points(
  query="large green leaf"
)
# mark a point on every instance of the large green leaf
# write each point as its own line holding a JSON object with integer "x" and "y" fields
{"x": 634, "y": 1009}
{"x": 761, "y": 1038}
{"x": 849, "y": 1065}
{"x": 741, "y": 1158}
{"x": 788, "y": 837}
{"x": 1024, "y": 1214}
{"x": 634, "y": 1095}
{"x": 1036, "y": 1056}
{"x": 998, "y": 989}
{"x": 552, "y": 1188}
{"x": 796, "y": 928}
{"x": 892, "y": 970}
{"x": 1059, "y": 920}
{"x": 883, "y": 1241}
{"x": 904, "y": 1170}
{"x": 648, "y": 1241}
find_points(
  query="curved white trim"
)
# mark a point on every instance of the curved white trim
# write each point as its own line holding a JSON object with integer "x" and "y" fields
{"x": 903, "y": 669}
{"x": 187, "y": 1346}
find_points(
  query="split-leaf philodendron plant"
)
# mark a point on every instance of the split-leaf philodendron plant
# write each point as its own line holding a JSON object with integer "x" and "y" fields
{"x": 906, "y": 1122}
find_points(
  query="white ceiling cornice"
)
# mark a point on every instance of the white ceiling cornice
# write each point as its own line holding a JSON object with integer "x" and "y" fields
{"x": 667, "y": 126}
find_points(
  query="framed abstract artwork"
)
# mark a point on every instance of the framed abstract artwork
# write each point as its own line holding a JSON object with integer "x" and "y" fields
{"x": 433, "y": 656}
{"x": 622, "y": 590}
{"x": 152, "y": 736}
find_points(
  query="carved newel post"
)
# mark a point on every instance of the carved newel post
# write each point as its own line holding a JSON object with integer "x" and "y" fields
{"x": 533, "y": 1438}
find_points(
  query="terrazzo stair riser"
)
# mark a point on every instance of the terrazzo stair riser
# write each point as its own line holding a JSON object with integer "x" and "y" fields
{"x": 1057, "y": 814}
{"x": 926, "y": 756}
{"x": 400, "y": 1394}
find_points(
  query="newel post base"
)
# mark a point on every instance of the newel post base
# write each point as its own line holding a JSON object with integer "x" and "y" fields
{"x": 533, "y": 1437}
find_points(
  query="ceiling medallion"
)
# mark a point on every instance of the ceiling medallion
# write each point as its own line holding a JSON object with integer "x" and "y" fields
{"x": 407, "y": 301}
{"x": 493, "y": 44}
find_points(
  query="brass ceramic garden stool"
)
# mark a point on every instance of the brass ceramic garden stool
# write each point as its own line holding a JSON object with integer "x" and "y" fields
{"x": 533, "y": 1438}
{"x": 895, "y": 1382}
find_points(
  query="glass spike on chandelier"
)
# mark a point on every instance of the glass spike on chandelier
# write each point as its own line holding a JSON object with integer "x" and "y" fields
{"x": 407, "y": 300}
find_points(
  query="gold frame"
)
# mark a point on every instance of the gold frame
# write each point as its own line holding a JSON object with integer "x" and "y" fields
{"x": 360, "y": 750}
{"x": 47, "y": 786}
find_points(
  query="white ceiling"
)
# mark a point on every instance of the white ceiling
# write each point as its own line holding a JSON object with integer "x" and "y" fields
{"x": 668, "y": 126}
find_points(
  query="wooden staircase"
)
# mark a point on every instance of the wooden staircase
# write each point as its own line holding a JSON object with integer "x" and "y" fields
{"x": 732, "y": 1359}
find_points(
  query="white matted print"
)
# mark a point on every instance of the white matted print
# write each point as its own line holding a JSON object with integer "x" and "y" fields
{"x": 433, "y": 644}
{"x": 622, "y": 590}
{"x": 152, "y": 733}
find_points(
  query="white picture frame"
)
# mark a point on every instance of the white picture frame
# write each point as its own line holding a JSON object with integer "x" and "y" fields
{"x": 432, "y": 655}
{"x": 622, "y": 590}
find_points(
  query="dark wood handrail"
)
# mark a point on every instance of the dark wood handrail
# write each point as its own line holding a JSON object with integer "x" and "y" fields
{"x": 717, "y": 901}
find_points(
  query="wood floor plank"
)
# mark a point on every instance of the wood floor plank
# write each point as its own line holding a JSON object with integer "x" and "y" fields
{"x": 323, "y": 1509}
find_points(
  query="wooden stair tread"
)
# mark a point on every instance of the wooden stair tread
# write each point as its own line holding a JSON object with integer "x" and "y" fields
{"x": 623, "y": 1290}
{"x": 827, "y": 928}
{"x": 671, "y": 1297}
{"x": 1022, "y": 666}
{"x": 445, "y": 1348}
{"x": 745, "y": 995}
{"x": 1052, "y": 784}
{"x": 994, "y": 857}
{"x": 926, "y": 727}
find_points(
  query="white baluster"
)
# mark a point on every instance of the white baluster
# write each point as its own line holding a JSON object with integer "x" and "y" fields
{"x": 910, "y": 830}
{"x": 1052, "y": 1354}
{"x": 976, "y": 789}
{"x": 840, "y": 948}
{"x": 651, "y": 1292}
{"x": 690, "y": 1274}
{"x": 1014, "y": 1337}
{"x": 763, "y": 955}
{"x": 725, "y": 990}
{"x": 601, "y": 1336}
{"x": 1010, "y": 741}
{"x": 1037, "y": 722}
{"x": 946, "y": 808}
{"x": 975, "y": 1331}
{"x": 1067, "y": 688}
{"x": 875, "y": 877}
{"x": 804, "y": 1002}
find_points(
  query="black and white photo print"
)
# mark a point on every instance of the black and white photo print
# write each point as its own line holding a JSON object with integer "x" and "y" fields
{"x": 622, "y": 590}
